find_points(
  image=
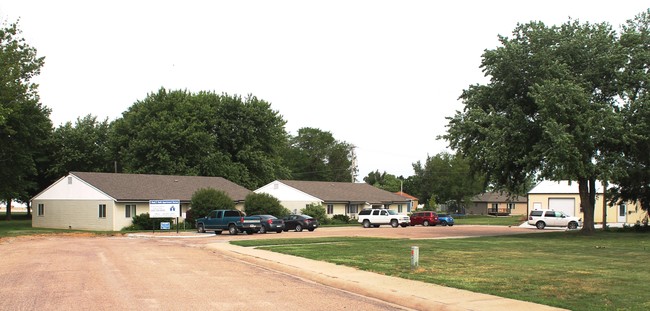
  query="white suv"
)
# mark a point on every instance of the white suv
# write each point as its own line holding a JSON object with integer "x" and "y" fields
{"x": 377, "y": 217}
{"x": 548, "y": 218}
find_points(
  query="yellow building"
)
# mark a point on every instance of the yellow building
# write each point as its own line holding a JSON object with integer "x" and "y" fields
{"x": 564, "y": 196}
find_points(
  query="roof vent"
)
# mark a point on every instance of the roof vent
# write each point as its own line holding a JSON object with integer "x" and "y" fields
{"x": 69, "y": 180}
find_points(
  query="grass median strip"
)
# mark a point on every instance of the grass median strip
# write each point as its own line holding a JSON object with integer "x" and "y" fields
{"x": 606, "y": 271}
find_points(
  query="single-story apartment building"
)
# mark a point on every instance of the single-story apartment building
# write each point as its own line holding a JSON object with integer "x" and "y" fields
{"x": 108, "y": 201}
{"x": 499, "y": 204}
{"x": 339, "y": 198}
{"x": 413, "y": 201}
{"x": 564, "y": 196}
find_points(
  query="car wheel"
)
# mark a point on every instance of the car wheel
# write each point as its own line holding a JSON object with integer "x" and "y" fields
{"x": 366, "y": 223}
{"x": 404, "y": 225}
{"x": 262, "y": 229}
{"x": 443, "y": 223}
{"x": 249, "y": 231}
{"x": 425, "y": 223}
{"x": 217, "y": 232}
{"x": 573, "y": 225}
{"x": 312, "y": 229}
{"x": 200, "y": 229}
{"x": 394, "y": 224}
{"x": 451, "y": 225}
{"x": 540, "y": 225}
{"x": 232, "y": 230}
{"x": 298, "y": 228}
{"x": 279, "y": 231}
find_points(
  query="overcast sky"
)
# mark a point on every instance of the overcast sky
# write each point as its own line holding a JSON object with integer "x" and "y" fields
{"x": 381, "y": 75}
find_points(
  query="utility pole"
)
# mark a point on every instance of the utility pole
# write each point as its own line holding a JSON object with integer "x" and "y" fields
{"x": 353, "y": 164}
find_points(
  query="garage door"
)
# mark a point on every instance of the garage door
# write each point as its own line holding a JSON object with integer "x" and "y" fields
{"x": 564, "y": 205}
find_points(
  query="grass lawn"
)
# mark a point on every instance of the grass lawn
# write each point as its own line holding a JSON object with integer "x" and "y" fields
{"x": 489, "y": 220}
{"x": 606, "y": 271}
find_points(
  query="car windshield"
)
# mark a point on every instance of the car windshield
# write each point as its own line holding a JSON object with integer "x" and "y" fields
{"x": 306, "y": 217}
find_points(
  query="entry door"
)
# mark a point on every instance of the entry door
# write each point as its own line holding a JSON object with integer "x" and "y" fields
{"x": 622, "y": 210}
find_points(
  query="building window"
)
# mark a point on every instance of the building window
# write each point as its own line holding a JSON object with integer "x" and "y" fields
{"x": 330, "y": 209}
{"x": 495, "y": 207}
{"x": 129, "y": 211}
{"x": 353, "y": 209}
{"x": 102, "y": 210}
{"x": 399, "y": 208}
{"x": 41, "y": 209}
{"x": 511, "y": 206}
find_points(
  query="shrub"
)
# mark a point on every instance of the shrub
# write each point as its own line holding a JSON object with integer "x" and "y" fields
{"x": 341, "y": 218}
{"x": 317, "y": 211}
{"x": 206, "y": 200}
{"x": 144, "y": 222}
{"x": 264, "y": 204}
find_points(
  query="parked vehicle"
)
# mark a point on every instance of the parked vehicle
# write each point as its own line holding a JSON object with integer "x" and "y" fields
{"x": 232, "y": 220}
{"x": 300, "y": 222}
{"x": 377, "y": 217}
{"x": 445, "y": 220}
{"x": 424, "y": 218}
{"x": 270, "y": 223}
{"x": 549, "y": 218}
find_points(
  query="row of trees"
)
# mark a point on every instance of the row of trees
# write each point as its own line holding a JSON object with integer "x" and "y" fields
{"x": 566, "y": 102}
{"x": 168, "y": 132}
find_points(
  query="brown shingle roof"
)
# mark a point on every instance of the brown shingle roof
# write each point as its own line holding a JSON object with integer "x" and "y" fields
{"x": 494, "y": 197}
{"x": 345, "y": 191}
{"x": 142, "y": 187}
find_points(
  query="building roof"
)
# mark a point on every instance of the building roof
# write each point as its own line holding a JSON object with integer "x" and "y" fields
{"x": 495, "y": 197}
{"x": 143, "y": 187}
{"x": 345, "y": 191}
{"x": 406, "y": 195}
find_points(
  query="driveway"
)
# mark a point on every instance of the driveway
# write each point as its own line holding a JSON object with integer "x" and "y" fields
{"x": 121, "y": 273}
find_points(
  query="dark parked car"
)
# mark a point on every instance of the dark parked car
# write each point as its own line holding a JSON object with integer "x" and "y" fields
{"x": 270, "y": 223}
{"x": 424, "y": 218}
{"x": 299, "y": 222}
{"x": 445, "y": 220}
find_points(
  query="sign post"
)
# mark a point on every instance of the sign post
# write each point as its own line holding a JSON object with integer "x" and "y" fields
{"x": 165, "y": 209}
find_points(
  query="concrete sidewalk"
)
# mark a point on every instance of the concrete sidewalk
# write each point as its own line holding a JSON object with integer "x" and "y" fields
{"x": 407, "y": 293}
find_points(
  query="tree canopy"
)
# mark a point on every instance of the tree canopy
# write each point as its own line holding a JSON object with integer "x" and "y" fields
{"x": 631, "y": 161}
{"x": 177, "y": 132}
{"x": 549, "y": 110}
{"x": 447, "y": 179}
{"x": 316, "y": 155}
{"x": 81, "y": 147}
{"x": 384, "y": 181}
{"x": 24, "y": 122}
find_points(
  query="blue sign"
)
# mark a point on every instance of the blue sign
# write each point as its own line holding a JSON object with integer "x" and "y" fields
{"x": 165, "y": 225}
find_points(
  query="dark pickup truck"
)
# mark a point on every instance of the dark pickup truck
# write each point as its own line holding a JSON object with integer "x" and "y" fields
{"x": 232, "y": 220}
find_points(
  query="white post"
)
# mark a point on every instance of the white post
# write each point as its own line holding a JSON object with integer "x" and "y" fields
{"x": 415, "y": 257}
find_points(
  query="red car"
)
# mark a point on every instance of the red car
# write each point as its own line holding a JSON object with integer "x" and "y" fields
{"x": 424, "y": 218}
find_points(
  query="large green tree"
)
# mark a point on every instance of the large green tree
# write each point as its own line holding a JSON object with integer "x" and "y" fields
{"x": 447, "y": 179}
{"x": 178, "y": 132}
{"x": 631, "y": 168}
{"x": 81, "y": 147}
{"x": 548, "y": 110}
{"x": 316, "y": 155}
{"x": 24, "y": 122}
{"x": 384, "y": 181}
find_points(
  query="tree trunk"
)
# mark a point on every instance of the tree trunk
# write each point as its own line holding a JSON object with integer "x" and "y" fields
{"x": 29, "y": 209}
{"x": 587, "y": 189}
{"x": 8, "y": 209}
{"x": 604, "y": 205}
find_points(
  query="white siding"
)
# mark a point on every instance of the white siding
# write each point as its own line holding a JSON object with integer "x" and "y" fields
{"x": 291, "y": 198}
{"x": 71, "y": 188}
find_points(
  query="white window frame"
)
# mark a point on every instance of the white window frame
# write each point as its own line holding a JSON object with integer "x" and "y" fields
{"x": 129, "y": 211}
{"x": 330, "y": 209}
{"x": 102, "y": 210}
{"x": 40, "y": 209}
